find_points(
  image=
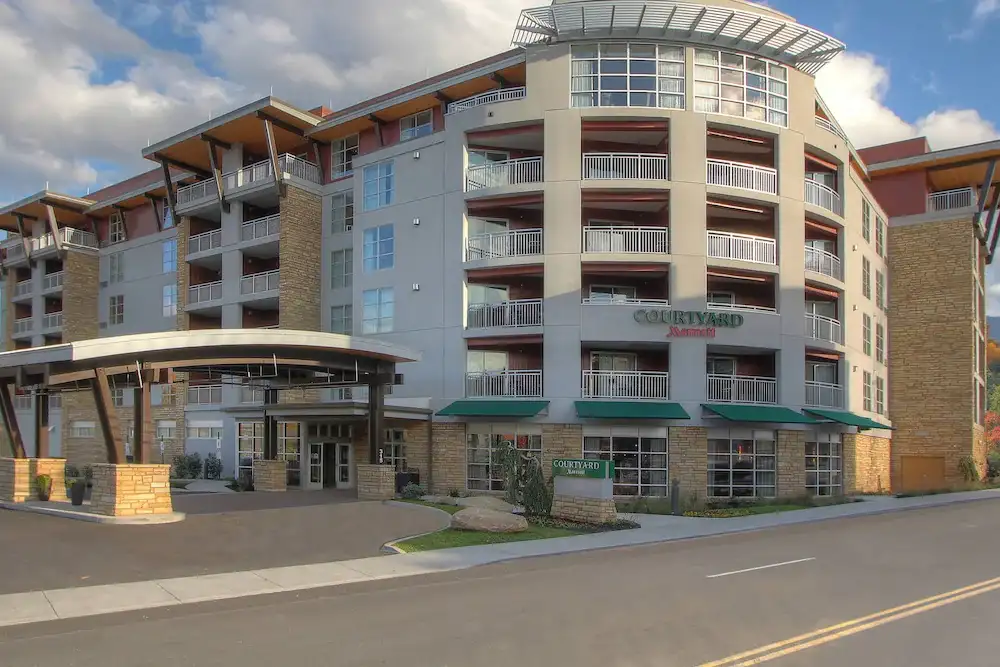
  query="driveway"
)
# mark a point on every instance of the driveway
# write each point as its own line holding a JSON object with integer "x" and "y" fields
{"x": 222, "y": 533}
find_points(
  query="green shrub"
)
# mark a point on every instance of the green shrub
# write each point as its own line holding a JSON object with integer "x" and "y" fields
{"x": 72, "y": 471}
{"x": 213, "y": 467}
{"x": 993, "y": 466}
{"x": 414, "y": 491}
{"x": 537, "y": 493}
{"x": 187, "y": 466}
{"x": 967, "y": 466}
{"x": 454, "y": 493}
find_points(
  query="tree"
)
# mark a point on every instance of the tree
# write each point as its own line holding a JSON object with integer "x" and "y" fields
{"x": 993, "y": 402}
{"x": 992, "y": 433}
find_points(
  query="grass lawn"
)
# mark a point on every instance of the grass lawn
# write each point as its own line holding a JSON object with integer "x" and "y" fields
{"x": 450, "y": 509}
{"x": 448, "y": 538}
{"x": 175, "y": 484}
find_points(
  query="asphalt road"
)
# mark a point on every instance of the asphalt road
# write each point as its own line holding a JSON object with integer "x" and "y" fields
{"x": 686, "y": 604}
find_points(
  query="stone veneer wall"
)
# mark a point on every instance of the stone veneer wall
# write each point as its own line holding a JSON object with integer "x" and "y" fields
{"x": 54, "y": 468}
{"x": 131, "y": 490}
{"x": 300, "y": 260}
{"x": 560, "y": 441}
{"x": 449, "y": 460}
{"x": 270, "y": 475}
{"x": 688, "y": 460}
{"x": 584, "y": 510}
{"x": 15, "y": 486}
{"x": 791, "y": 452}
{"x": 80, "y": 308}
{"x": 376, "y": 482}
{"x": 932, "y": 398}
{"x": 866, "y": 461}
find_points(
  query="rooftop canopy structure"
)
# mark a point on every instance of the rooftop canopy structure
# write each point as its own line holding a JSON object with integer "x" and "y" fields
{"x": 272, "y": 358}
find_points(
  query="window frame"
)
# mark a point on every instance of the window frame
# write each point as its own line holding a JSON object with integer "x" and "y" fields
{"x": 382, "y": 176}
{"x": 701, "y": 101}
{"x": 377, "y": 324}
{"x": 488, "y": 456}
{"x": 866, "y": 333}
{"x": 866, "y": 219}
{"x": 880, "y": 342}
{"x": 341, "y": 223}
{"x": 879, "y": 395}
{"x": 375, "y": 257}
{"x": 169, "y": 254}
{"x": 116, "y": 267}
{"x": 834, "y": 459}
{"x": 663, "y": 54}
{"x": 170, "y": 300}
{"x": 342, "y": 154}
{"x": 116, "y": 309}
{"x": 756, "y": 457}
{"x": 342, "y": 272}
{"x": 612, "y": 444}
{"x": 117, "y": 232}
{"x": 346, "y": 318}
{"x": 866, "y": 278}
{"x": 880, "y": 290}
{"x": 418, "y": 128}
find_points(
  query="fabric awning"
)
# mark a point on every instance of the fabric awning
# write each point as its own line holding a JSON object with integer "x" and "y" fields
{"x": 770, "y": 414}
{"x": 630, "y": 410}
{"x": 488, "y": 408}
{"x": 846, "y": 418}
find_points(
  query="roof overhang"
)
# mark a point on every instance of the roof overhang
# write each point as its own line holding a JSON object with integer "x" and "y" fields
{"x": 347, "y": 411}
{"x": 140, "y": 196}
{"x": 769, "y": 36}
{"x": 188, "y": 150}
{"x": 946, "y": 169}
{"x": 69, "y": 210}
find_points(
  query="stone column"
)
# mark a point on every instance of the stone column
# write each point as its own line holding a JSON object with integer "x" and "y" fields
{"x": 688, "y": 460}
{"x": 54, "y": 468}
{"x": 270, "y": 475}
{"x": 131, "y": 489}
{"x": 15, "y": 485}
{"x": 791, "y": 462}
{"x": 376, "y": 482}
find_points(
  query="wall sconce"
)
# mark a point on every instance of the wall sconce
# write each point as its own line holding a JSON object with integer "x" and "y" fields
{"x": 416, "y": 222}
{"x": 416, "y": 287}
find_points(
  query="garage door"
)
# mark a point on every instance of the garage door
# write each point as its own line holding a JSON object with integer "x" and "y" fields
{"x": 922, "y": 473}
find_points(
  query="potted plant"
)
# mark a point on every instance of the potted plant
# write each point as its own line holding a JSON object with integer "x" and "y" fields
{"x": 77, "y": 492}
{"x": 44, "y": 485}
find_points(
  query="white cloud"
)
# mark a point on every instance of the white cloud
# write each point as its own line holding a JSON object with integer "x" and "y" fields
{"x": 985, "y": 8}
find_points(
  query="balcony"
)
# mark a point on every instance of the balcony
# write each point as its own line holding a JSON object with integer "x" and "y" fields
{"x": 742, "y": 247}
{"x": 205, "y": 395}
{"x": 205, "y": 293}
{"x": 13, "y": 251}
{"x": 260, "y": 228}
{"x": 514, "y": 243}
{"x": 820, "y": 327}
{"x": 824, "y": 395}
{"x": 626, "y": 239}
{"x": 489, "y": 97}
{"x": 259, "y": 283}
{"x": 517, "y": 171}
{"x": 519, "y": 313}
{"x": 204, "y": 242}
{"x": 503, "y": 384}
{"x": 22, "y": 289}
{"x": 742, "y": 389}
{"x": 824, "y": 124}
{"x": 23, "y": 326}
{"x": 742, "y": 176}
{"x": 52, "y": 281}
{"x": 745, "y": 307}
{"x": 263, "y": 172}
{"x": 824, "y": 263}
{"x": 625, "y": 166}
{"x": 626, "y": 384}
{"x": 823, "y": 196}
{"x": 195, "y": 192}
{"x": 948, "y": 200}
{"x": 52, "y": 321}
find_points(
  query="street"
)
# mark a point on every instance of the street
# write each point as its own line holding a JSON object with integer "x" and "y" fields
{"x": 683, "y": 604}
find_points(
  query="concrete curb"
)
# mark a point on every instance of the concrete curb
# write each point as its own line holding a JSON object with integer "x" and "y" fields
{"x": 390, "y": 547}
{"x": 78, "y": 515}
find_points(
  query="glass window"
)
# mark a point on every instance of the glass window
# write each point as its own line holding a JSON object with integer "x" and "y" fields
{"x": 640, "y": 461}
{"x": 868, "y": 391}
{"x": 205, "y": 432}
{"x": 612, "y": 294}
{"x": 741, "y": 464}
{"x": 342, "y": 212}
{"x": 379, "y": 185}
{"x": 866, "y": 220}
{"x": 880, "y": 395}
{"x": 379, "y": 248}
{"x": 290, "y": 450}
{"x": 485, "y": 445}
{"x": 170, "y": 255}
{"x": 343, "y": 154}
{"x": 738, "y": 85}
{"x": 379, "y": 310}
{"x": 118, "y": 396}
{"x": 880, "y": 343}
{"x": 82, "y": 429}
{"x": 866, "y": 277}
{"x": 209, "y": 394}
{"x": 627, "y": 75}
{"x": 116, "y": 309}
{"x": 342, "y": 320}
{"x": 879, "y": 290}
{"x": 116, "y": 228}
{"x": 116, "y": 268}
{"x": 170, "y": 300}
{"x": 394, "y": 449}
{"x": 485, "y": 361}
{"x": 341, "y": 268}
{"x": 167, "y": 394}
{"x": 866, "y": 333}
{"x": 166, "y": 430}
{"x": 880, "y": 236}
{"x": 249, "y": 445}
{"x": 417, "y": 125}
{"x": 824, "y": 464}
{"x": 168, "y": 216}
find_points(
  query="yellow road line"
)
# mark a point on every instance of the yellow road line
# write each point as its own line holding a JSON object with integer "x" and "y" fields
{"x": 816, "y": 637}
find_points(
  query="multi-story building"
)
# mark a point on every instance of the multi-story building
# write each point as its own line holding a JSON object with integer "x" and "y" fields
{"x": 942, "y": 233}
{"x": 639, "y": 235}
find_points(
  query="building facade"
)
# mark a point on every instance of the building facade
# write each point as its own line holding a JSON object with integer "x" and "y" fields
{"x": 639, "y": 235}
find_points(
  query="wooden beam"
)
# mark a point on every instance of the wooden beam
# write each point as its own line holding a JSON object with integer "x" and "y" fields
{"x": 320, "y": 162}
{"x": 197, "y": 171}
{"x": 53, "y": 227}
{"x": 277, "y": 122}
{"x": 376, "y": 422}
{"x": 499, "y": 79}
{"x": 216, "y": 142}
{"x": 108, "y": 416}
{"x": 272, "y": 150}
{"x": 217, "y": 173}
{"x": 142, "y": 423}
{"x": 378, "y": 127}
{"x": 156, "y": 212}
{"x": 10, "y": 425}
{"x": 19, "y": 218}
{"x": 444, "y": 99}
{"x": 41, "y": 424}
{"x": 171, "y": 192}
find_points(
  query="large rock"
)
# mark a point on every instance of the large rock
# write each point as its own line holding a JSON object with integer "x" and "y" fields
{"x": 488, "y": 521}
{"x": 440, "y": 500}
{"x": 486, "y": 502}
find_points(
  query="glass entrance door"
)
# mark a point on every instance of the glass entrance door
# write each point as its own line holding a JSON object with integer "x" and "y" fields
{"x": 344, "y": 465}
{"x": 316, "y": 466}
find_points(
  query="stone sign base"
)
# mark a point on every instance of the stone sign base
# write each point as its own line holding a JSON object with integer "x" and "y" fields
{"x": 131, "y": 489}
{"x": 17, "y": 479}
{"x": 376, "y": 482}
{"x": 584, "y": 510}
{"x": 270, "y": 475}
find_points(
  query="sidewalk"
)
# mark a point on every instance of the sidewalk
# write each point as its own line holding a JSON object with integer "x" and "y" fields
{"x": 18, "y": 608}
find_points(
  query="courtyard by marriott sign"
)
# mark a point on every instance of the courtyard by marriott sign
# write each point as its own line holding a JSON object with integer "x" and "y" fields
{"x": 592, "y": 468}
{"x": 689, "y": 323}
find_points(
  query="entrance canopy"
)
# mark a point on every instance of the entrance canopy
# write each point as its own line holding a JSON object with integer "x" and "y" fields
{"x": 271, "y": 358}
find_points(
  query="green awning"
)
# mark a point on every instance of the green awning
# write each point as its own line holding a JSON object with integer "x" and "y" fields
{"x": 771, "y": 414}
{"x": 630, "y": 410}
{"x": 847, "y": 418}
{"x": 485, "y": 408}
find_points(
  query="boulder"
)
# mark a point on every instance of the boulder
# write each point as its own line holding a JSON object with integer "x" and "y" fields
{"x": 488, "y": 521}
{"x": 440, "y": 500}
{"x": 486, "y": 502}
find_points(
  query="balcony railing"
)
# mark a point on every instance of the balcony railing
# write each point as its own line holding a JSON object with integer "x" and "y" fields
{"x": 519, "y": 313}
{"x": 825, "y": 328}
{"x": 515, "y": 243}
{"x": 252, "y": 394}
{"x": 209, "y": 394}
{"x": 22, "y": 288}
{"x": 263, "y": 171}
{"x": 195, "y": 191}
{"x": 829, "y": 127}
{"x": 742, "y": 176}
{"x": 625, "y": 166}
{"x": 259, "y": 282}
{"x": 952, "y": 199}
{"x": 52, "y": 320}
{"x": 824, "y": 395}
{"x": 626, "y": 384}
{"x": 205, "y": 241}
{"x": 507, "y": 172}
{"x": 489, "y": 97}
{"x": 723, "y": 305}
{"x": 52, "y": 280}
{"x": 78, "y": 237}
{"x": 205, "y": 292}
{"x": 820, "y": 195}
{"x": 23, "y": 325}
{"x": 503, "y": 384}
{"x": 823, "y": 262}
{"x": 260, "y": 228}
{"x": 356, "y": 394}
{"x": 619, "y": 300}
{"x": 742, "y": 247}
{"x": 13, "y": 249}
{"x": 742, "y": 389}
{"x": 626, "y": 239}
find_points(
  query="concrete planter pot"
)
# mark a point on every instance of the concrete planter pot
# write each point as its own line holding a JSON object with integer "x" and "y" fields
{"x": 77, "y": 492}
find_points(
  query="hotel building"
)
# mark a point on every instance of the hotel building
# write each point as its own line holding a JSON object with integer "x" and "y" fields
{"x": 639, "y": 235}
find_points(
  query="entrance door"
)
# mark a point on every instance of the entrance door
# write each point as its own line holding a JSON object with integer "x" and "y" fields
{"x": 345, "y": 465}
{"x": 315, "y": 466}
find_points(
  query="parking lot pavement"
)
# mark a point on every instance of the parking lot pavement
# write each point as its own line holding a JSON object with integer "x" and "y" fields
{"x": 222, "y": 533}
